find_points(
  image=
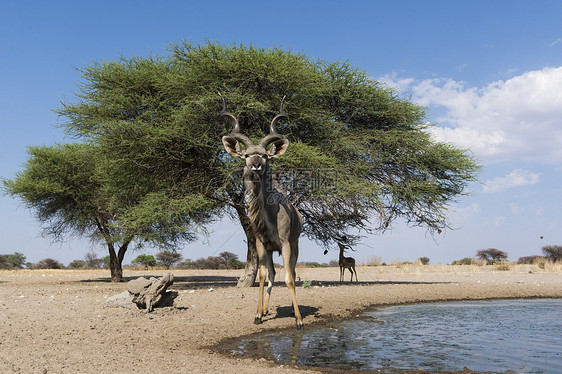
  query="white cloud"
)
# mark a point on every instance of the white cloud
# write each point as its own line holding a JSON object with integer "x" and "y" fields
{"x": 519, "y": 118}
{"x": 516, "y": 178}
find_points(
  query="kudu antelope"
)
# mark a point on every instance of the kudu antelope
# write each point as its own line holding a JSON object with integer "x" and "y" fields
{"x": 275, "y": 222}
{"x": 346, "y": 263}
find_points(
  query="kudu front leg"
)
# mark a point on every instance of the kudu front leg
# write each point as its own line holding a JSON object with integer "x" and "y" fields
{"x": 261, "y": 277}
{"x": 270, "y": 280}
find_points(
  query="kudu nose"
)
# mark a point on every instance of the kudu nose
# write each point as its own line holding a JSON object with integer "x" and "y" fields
{"x": 256, "y": 166}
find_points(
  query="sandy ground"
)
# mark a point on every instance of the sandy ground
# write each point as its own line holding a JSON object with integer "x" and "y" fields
{"x": 57, "y": 321}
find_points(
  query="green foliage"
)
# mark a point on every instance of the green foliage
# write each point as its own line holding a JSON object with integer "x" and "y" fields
{"x": 106, "y": 261}
{"x": 61, "y": 185}
{"x": 424, "y": 260}
{"x": 144, "y": 260}
{"x": 313, "y": 265}
{"x": 357, "y": 151}
{"x": 15, "y": 260}
{"x": 306, "y": 283}
{"x": 463, "y": 261}
{"x": 77, "y": 264}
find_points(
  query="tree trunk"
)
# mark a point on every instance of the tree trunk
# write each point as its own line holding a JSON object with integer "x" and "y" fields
{"x": 114, "y": 264}
{"x": 116, "y": 261}
{"x": 251, "y": 270}
{"x": 116, "y": 270}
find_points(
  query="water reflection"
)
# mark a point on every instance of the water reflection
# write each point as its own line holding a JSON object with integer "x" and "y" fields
{"x": 524, "y": 336}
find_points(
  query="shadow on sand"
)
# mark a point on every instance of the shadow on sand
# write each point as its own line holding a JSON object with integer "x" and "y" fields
{"x": 218, "y": 281}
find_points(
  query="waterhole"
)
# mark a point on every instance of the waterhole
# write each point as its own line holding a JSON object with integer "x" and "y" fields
{"x": 522, "y": 336}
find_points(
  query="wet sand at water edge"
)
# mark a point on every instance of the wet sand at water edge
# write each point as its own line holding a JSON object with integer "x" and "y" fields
{"x": 56, "y": 321}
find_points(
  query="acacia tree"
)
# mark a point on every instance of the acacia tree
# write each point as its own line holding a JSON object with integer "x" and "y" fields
{"x": 359, "y": 158}
{"x": 491, "y": 255}
{"x": 144, "y": 260}
{"x": 67, "y": 188}
{"x": 168, "y": 258}
{"x": 553, "y": 252}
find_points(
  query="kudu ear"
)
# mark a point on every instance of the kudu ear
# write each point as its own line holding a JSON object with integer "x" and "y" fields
{"x": 278, "y": 148}
{"x": 232, "y": 146}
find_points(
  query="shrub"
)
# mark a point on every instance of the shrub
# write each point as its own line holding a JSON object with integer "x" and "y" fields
{"x": 372, "y": 261}
{"x": 424, "y": 260}
{"x": 312, "y": 265}
{"x": 77, "y": 264}
{"x": 48, "y": 263}
{"x": 503, "y": 267}
{"x": 530, "y": 259}
{"x": 463, "y": 261}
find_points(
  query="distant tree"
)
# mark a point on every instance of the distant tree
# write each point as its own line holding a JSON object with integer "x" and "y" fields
{"x": 168, "y": 258}
{"x": 463, "y": 261}
{"x": 145, "y": 260}
{"x": 78, "y": 264}
{"x": 553, "y": 252}
{"x": 106, "y": 260}
{"x": 424, "y": 260}
{"x": 92, "y": 260}
{"x": 15, "y": 260}
{"x": 210, "y": 262}
{"x": 187, "y": 264}
{"x": 228, "y": 259}
{"x": 3, "y": 262}
{"x": 312, "y": 265}
{"x": 530, "y": 259}
{"x": 491, "y": 255}
{"x": 49, "y": 263}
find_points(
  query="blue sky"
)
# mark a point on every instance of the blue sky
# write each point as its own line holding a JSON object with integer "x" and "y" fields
{"x": 489, "y": 72}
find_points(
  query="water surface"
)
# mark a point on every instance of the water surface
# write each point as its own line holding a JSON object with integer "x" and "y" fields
{"x": 524, "y": 336}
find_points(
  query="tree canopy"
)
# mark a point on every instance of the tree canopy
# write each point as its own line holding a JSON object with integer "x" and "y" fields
{"x": 491, "y": 255}
{"x": 68, "y": 188}
{"x": 553, "y": 252}
{"x": 359, "y": 158}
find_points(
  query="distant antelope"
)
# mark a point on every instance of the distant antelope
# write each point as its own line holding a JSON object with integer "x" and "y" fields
{"x": 275, "y": 222}
{"x": 346, "y": 263}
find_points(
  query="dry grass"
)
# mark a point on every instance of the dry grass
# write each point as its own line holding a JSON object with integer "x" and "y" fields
{"x": 546, "y": 267}
{"x": 372, "y": 261}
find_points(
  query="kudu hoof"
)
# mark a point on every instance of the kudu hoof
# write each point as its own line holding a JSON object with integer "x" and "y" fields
{"x": 300, "y": 326}
{"x": 257, "y": 321}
